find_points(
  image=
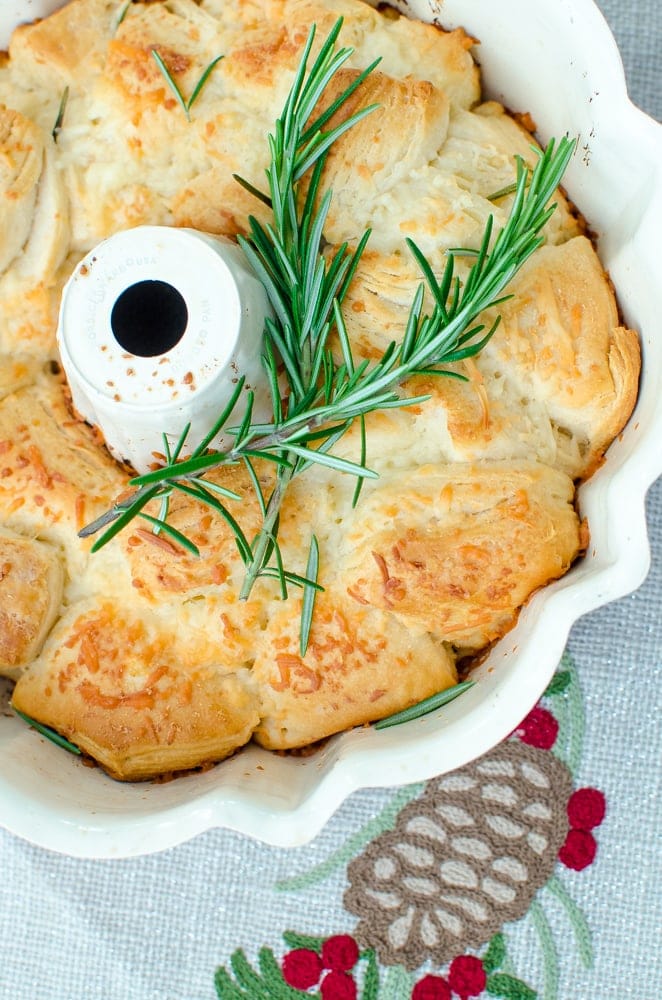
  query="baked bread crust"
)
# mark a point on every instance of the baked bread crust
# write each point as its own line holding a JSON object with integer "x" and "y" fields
{"x": 142, "y": 655}
{"x": 140, "y": 694}
{"x": 31, "y": 585}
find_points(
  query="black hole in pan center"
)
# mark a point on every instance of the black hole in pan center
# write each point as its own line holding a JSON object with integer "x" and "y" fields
{"x": 149, "y": 318}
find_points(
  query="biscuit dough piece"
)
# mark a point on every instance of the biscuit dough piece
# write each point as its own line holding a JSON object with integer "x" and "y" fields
{"x": 137, "y": 692}
{"x": 556, "y": 382}
{"x": 21, "y": 162}
{"x": 161, "y": 570}
{"x": 457, "y": 550}
{"x": 563, "y": 344}
{"x": 479, "y": 152}
{"x": 16, "y": 372}
{"x": 31, "y": 585}
{"x": 67, "y": 46}
{"x": 54, "y": 473}
{"x": 361, "y": 664}
{"x": 406, "y": 46}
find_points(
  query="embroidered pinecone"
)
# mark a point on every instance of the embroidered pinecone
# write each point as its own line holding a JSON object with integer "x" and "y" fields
{"x": 465, "y": 857}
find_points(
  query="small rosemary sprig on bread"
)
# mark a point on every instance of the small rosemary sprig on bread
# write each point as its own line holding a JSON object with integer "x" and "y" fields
{"x": 325, "y": 395}
{"x": 59, "y": 118}
{"x": 122, "y": 11}
{"x": 185, "y": 104}
{"x": 49, "y": 733}
{"x": 426, "y": 706}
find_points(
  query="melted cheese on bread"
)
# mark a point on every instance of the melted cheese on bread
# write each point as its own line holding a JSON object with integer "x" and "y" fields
{"x": 142, "y": 654}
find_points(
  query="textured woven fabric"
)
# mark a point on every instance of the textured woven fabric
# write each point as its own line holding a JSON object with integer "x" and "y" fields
{"x": 637, "y": 27}
{"x": 156, "y": 928}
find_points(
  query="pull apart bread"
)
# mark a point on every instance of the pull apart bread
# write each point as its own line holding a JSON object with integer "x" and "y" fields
{"x": 143, "y": 655}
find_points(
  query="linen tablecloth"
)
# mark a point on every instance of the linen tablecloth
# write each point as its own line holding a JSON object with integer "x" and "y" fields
{"x": 580, "y": 918}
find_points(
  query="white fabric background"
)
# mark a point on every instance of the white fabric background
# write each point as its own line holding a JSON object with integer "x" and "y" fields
{"x": 155, "y": 928}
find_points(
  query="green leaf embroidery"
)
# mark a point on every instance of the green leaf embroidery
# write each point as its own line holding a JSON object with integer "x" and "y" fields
{"x": 247, "y": 977}
{"x": 550, "y": 953}
{"x": 580, "y": 927}
{"x": 226, "y": 989}
{"x": 494, "y": 956}
{"x": 267, "y": 984}
{"x": 384, "y": 820}
{"x": 371, "y": 978}
{"x": 294, "y": 940}
{"x": 398, "y": 983}
{"x": 558, "y": 683}
{"x": 509, "y": 988}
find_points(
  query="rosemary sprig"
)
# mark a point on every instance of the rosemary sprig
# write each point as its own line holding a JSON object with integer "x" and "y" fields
{"x": 59, "y": 118}
{"x": 502, "y": 192}
{"x": 325, "y": 396}
{"x": 172, "y": 83}
{"x": 426, "y": 706}
{"x": 122, "y": 11}
{"x": 305, "y": 291}
{"x": 309, "y": 595}
{"x": 49, "y": 733}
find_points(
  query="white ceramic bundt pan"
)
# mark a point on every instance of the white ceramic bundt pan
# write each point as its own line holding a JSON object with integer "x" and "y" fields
{"x": 575, "y": 85}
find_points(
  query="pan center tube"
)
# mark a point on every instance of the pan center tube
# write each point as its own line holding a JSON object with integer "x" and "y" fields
{"x": 156, "y": 327}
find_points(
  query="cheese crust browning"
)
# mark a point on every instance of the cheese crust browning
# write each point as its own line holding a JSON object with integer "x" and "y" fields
{"x": 141, "y": 654}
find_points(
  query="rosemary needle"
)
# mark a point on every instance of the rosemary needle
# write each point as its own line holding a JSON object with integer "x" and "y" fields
{"x": 49, "y": 733}
{"x": 172, "y": 83}
{"x": 122, "y": 11}
{"x": 426, "y": 706}
{"x": 59, "y": 118}
{"x": 309, "y": 595}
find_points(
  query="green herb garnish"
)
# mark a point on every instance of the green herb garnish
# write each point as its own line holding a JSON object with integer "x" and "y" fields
{"x": 309, "y": 594}
{"x": 59, "y": 118}
{"x": 502, "y": 192}
{"x": 49, "y": 733}
{"x": 306, "y": 290}
{"x": 425, "y": 706}
{"x": 172, "y": 83}
{"x": 123, "y": 10}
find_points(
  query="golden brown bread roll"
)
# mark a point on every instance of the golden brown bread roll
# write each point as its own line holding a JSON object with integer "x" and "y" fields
{"x": 31, "y": 583}
{"x": 457, "y": 549}
{"x": 152, "y": 663}
{"x": 138, "y": 692}
{"x": 564, "y": 346}
{"x": 341, "y": 680}
{"x": 21, "y": 162}
{"x": 55, "y": 475}
{"x": 557, "y": 381}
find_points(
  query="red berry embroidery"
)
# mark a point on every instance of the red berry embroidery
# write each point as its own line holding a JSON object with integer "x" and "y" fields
{"x": 586, "y": 808}
{"x": 340, "y": 953}
{"x": 338, "y": 986}
{"x": 579, "y": 850}
{"x": 302, "y": 968}
{"x": 467, "y": 976}
{"x": 431, "y": 988}
{"x": 538, "y": 729}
